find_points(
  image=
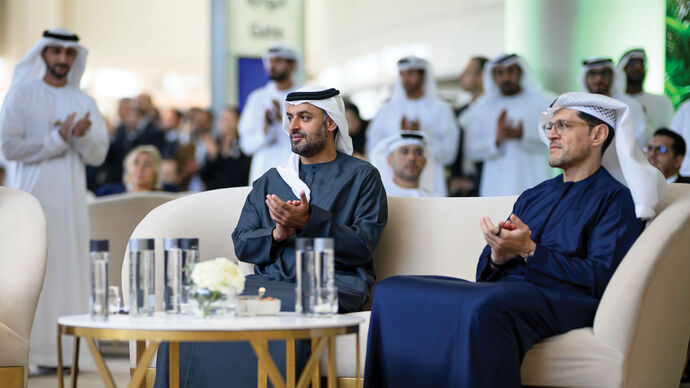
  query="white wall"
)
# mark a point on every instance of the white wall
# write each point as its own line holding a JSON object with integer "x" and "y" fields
{"x": 160, "y": 46}
{"x": 163, "y": 46}
{"x": 20, "y": 27}
{"x": 353, "y": 45}
{"x": 556, "y": 35}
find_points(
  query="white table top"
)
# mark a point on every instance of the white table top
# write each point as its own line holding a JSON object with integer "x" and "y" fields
{"x": 164, "y": 321}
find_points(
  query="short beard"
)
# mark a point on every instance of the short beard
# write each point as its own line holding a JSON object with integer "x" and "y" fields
{"x": 413, "y": 178}
{"x": 566, "y": 161}
{"x": 280, "y": 77}
{"x": 635, "y": 81}
{"x": 53, "y": 72}
{"x": 509, "y": 89}
{"x": 603, "y": 91}
{"x": 313, "y": 145}
{"x": 413, "y": 90}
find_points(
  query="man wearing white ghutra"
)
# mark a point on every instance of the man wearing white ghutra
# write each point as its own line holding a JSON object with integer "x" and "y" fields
{"x": 415, "y": 106}
{"x": 49, "y": 130}
{"x": 501, "y": 128}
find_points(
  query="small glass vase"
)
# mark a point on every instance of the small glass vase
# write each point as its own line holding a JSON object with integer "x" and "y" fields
{"x": 213, "y": 303}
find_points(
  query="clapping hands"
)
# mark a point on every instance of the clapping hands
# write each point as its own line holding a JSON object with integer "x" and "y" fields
{"x": 272, "y": 115}
{"x": 508, "y": 240}
{"x": 288, "y": 216}
{"x": 507, "y": 129}
{"x": 79, "y": 129}
{"x": 409, "y": 125}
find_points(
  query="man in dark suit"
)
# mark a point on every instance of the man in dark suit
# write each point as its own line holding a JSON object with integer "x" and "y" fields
{"x": 666, "y": 152}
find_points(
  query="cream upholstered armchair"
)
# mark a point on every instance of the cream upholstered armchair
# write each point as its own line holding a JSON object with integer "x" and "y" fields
{"x": 23, "y": 252}
{"x": 210, "y": 216}
{"x": 114, "y": 217}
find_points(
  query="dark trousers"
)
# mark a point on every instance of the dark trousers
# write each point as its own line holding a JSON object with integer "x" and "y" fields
{"x": 447, "y": 332}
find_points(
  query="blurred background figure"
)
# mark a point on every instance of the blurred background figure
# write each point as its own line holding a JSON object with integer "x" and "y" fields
{"x": 357, "y": 128}
{"x": 666, "y": 151}
{"x": 600, "y": 76}
{"x": 98, "y": 175}
{"x": 681, "y": 125}
{"x": 137, "y": 127}
{"x": 656, "y": 107}
{"x": 464, "y": 173}
{"x": 170, "y": 124}
{"x": 414, "y": 105}
{"x": 261, "y": 125}
{"x": 186, "y": 148}
{"x": 192, "y": 149}
{"x": 170, "y": 173}
{"x": 225, "y": 164}
{"x": 502, "y": 128}
{"x": 142, "y": 172}
{"x": 142, "y": 169}
{"x": 406, "y": 159}
{"x": 143, "y": 104}
{"x": 124, "y": 108}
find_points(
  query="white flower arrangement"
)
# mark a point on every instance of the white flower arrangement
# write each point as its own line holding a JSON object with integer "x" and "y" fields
{"x": 215, "y": 280}
{"x": 219, "y": 274}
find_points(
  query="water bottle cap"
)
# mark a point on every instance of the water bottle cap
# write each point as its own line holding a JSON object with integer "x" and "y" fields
{"x": 304, "y": 244}
{"x": 181, "y": 243}
{"x": 98, "y": 246}
{"x": 323, "y": 243}
{"x": 190, "y": 243}
{"x": 141, "y": 244}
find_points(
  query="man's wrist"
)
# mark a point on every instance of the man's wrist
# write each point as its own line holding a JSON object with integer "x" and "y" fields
{"x": 527, "y": 256}
{"x": 495, "y": 266}
{"x": 273, "y": 235}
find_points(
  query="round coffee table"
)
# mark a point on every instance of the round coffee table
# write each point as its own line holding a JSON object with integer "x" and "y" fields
{"x": 149, "y": 332}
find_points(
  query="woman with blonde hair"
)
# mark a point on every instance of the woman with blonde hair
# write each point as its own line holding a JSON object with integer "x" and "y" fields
{"x": 142, "y": 169}
{"x": 142, "y": 172}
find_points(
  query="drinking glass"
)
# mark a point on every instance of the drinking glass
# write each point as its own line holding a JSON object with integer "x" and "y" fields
{"x": 305, "y": 284}
{"x": 114, "y": 299}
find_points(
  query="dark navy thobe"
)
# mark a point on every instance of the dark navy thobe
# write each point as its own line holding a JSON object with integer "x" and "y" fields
{"x": 446, "y": 332}
{"x": 348, "y": 203}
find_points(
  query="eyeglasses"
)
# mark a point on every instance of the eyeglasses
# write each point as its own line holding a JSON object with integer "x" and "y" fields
{"x": 561, "y": 125}
{"x": 659, "y": 149}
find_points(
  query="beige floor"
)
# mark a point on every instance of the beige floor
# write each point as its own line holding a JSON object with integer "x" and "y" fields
{"x": 119, "y": 367}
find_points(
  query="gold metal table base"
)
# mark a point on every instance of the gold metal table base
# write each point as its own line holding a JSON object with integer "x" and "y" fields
{"x": 258, "y": 340}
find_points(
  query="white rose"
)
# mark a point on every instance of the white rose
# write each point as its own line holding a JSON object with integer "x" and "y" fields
{"x": 219, "y": 274}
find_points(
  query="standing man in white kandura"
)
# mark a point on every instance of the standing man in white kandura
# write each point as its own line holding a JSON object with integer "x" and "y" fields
{"x": 600, "y": 76}
{"x": 261, "y": 122}
{"x": 657, "y": 107}
{"x": 49, "y": 131}
{"x": 415, "y": 106}
{"x": 502, "y": 131}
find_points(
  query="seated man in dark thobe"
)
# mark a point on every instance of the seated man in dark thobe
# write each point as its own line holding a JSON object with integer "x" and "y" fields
{"x": 321, "y": 191}
{"x": 543, "y": 271}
